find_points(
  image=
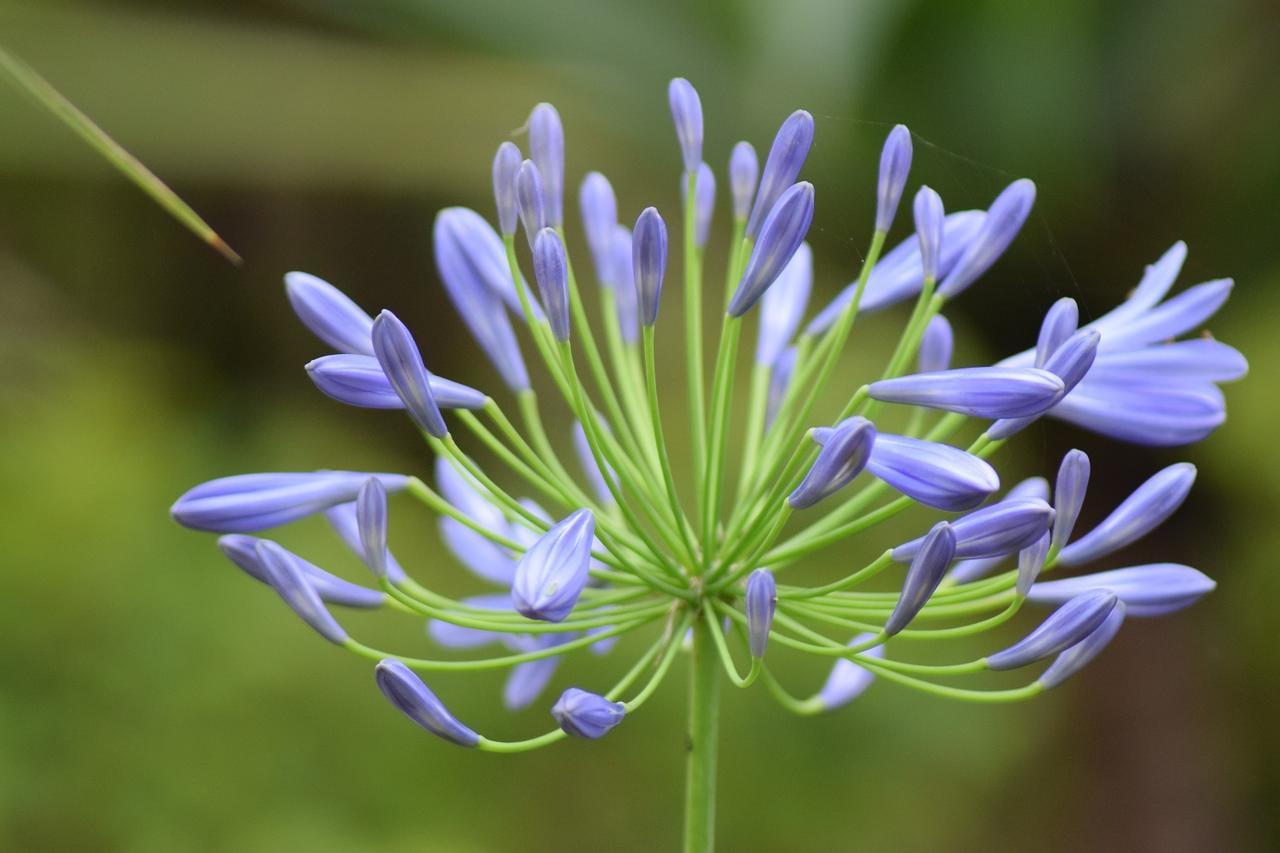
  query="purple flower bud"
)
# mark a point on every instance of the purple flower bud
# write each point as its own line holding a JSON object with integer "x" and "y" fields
{"x": 936, "y": 475}
{"x": 1002, "y": 528}
{"x": 686, "y": 113}
{"x": 1179, "y": 315}
{"x": 744, "y": 170}
{"x": 1065, "y": 627}
{"x": 358, "y": 380}
{"x": 242, "y": 550}
{"x": 984, "y": 392}
{"x": 624, "y": 285}
{"x": 1198, "y": 360}
{"x": 847, "y": 680}
{"x": 343, "y": 519}
{"x": 1074, "y": 659}
{"x": 587, "y": 461}
{"x": 599, "y": 209}
{"x": 506, "y": 165}
{"x": 649, "y": 262}
{"x": 1060, "y": 323}
{"x": 1004, "y": 220}
{"x": 329, "y": 313}
{"x": 1068, "y": 494}
{"x": 527, "y": 680}
{"x": 895, "y": 165}
{"x": 1143, "y": 511}
{"x": 249, "y": 502}
{"x": 1142, "y": 413}
{"x": 935, "y": 346}
{"x": 1150, "y": 590}
{"x": 551, "y": 269}
{"x": 551, "y": 574}
{"x": 404, "y": 689}
{"x": 845, "y": 451}
{"x": 704, "y": 205}
{"x": 779, "y": 380}
{"x": 783, "y": 304}
{"x": 398, "y": 354}
{"x": 546, "y": 149}
{"x": 1070, "y": 363}
{"x": 761, "y": 601}
{"x": 531, "y": 198}
{"x": 371, "y": 522}
{"x": 786, "y": 158}
{"x": 930, "y": 218}
{"x": 587, "y": 715}
{"x": 783, "y": 232}
{"x": 481, "y": 254}
{"x": 482, "y": 556}
{"x": 923, "y": 576}
{"x": 1030, "y": 563}
{"x": 968, "y": 570}
{"x": 288, "y": 580}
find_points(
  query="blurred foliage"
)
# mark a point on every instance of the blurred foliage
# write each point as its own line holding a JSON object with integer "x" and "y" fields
{"x": 152, "y": 698}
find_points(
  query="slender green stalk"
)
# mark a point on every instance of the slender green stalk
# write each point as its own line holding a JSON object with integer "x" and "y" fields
{"x": 703, "y": 741}
{"x": 655, "y": 415}
{"x": 693, "y": 322}
{"x": 721, "y": 392}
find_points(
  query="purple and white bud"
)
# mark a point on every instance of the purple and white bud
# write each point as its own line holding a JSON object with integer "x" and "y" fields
{"x": 553, "y": 572}
{"x": 761, "y": 601}
{"x": 984, "y": 392}
{"x": 895, "y": 166}
{"x": 847, "y": 680}
{"x": 649, "y": 263}
{"x": 744, "y": 170}
{"x": 358, "y": 380}
{"x": 786, "y": 158}
{"x": 329, "y": 313}
{"x": 1065, "y": 627}
{"x": 405, "y": 690}
{"x": 551, "y": 269}
{"x": 936, "y": 475}
{"x": 398, "y": 355}
{"x": 923, "y": 576}
{"x": 289, "y": 581}
{"x": 846, "y": 447}
{"x": 1074, "y": 659}
{"x": 243, "y": 551}
{"x": 1060, "y": 323}
{"x": 930, "y": 217}
{"x": 936, "y": 345}
{"x": 780, "y": 237}
{"x": 371, "y": 522}
{"x": 1031, "y": 563}
{"x": 1068, "y": 495}
{"x": 1003, "y": 222}
{"x": 686, "y": 114}
{"x": 1151, "y": 590}
{"x": 599, "y": 207}
{"x": 1002, "y": 528}
{"x": 250, "y": 502}
{"x": 506, "y": 165}
{"x": 531, "y": 199}
{"x": 546, "y": 149}
{"x": 587, "y": 715}
{"x": 1140, "y": 513}
{"x": 782, "y": 306}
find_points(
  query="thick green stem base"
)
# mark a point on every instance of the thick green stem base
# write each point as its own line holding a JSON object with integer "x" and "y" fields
{"x": 703, "y": 742}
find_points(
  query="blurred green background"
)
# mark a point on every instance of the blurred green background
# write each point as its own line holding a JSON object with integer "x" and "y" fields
{"x": 154, "y": 699}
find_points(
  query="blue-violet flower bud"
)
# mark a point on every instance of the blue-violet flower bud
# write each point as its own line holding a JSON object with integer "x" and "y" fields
{"x": 404, "y": 689}
{"x": 329, "y": 313}
{"x": 761, "y": 601}
{"x": 243, "y": 551}
{"x": 531, "y": 197}
{"x": 358, "y": 380}
{"x": 744, "y": 170}
{"x": 599, "y": 207}
{"x": 587, "y": 715}
{"x": 847, "y": 680}
{"x": 923, "y": 576}
{"x": 1140, "y": 513}
{"x": 1004, "y": 219}
{"x": 551, "y": 270}
{"x": 1151, "y": 590}
{"x": 846, "y": 448}
{"x": 895, "y": 165}
{"x": 1074, "y": 659}
{"x": 930, "y": 217}
{"x": 624, "y": 285}
{"x": 344, "y": 521}
{"x": 1068, "y": 495}
{"x": 786, "y": 157}
{"x": 506, "y": 165}
{"x": 686, "y": 114}
{"x": 936, "y": 345}
{"x": 371, "y": 522}
{"x": 248, "y": 502}
{"x": 783, "y": 232}
{"x": 1030, "y": 563}
{"x": 553, "y": 572}
{"x": 1060, "y": 323}
{"x": 782, "y": 306}
{"x": 546, "y": 149}
{"x": 936, "y": 475}
{"x": 1065, "y": 627}
{"x": 289, "y": 581}
{"x": 704, "y": 203}
{"x": 984, "y": 392}
{"x": 398, "y": 354}
{"x": 1002, "y": 528}
{"x": 649, "y": 262}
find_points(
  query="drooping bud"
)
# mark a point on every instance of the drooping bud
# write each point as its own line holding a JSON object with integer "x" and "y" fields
{"x": 329, "y": 313}
{"x": 704, "y": 204}
{"x": 1060, "y": 323}
{"x": 1074, "y": 659}
{"x": 923, "y": 576}
{"x": 358, "y": 380}
{"x": 847, "y": 680}
{"x": 398, "y": 355}
{"x": 531, "y": 198}
{"x": 243, "y": 551}
{"x": 551, "y": 269}
{"x": 895, "y": 165}
{"x": 371, "y": 522}
{"x": 786, "y": 158}
{"x": 744, "y": 170}
{"x": 761, "y": 601}
{"x": 553, "y": 572}
{"x": 1143, "y": 511}
{"x": 405, "y": 690}
{"x": 506, "y": 165}
{"x": 969, "y": 570}
{"x": 344, "y": 521}
{"x": 1003, "y": 222}
{"x": 624, "y": 285}
{"x": 1068, "y": 495}
{"x": 781, "y": 235}
{"x": 930, "y": 217}
{"x": 249, "y": 502}
{"x": 599, "y": 207}
{"x": 1065, "y": 627}
{"x": 1002, "y": 528}
{"x": 935, "y": 346}
{"x": 782, "y": 306}
{"x": 686, "y": 113}
{"x": 1150, "y": 590}
{"x": 936, "y": 475}
{"x": 546, "y": 149}
{"x": 587, "y": 715}
{"x": 983, "y": 392}
{"x": 1030, "y": 563}
{"x": 846, "y": 447}
{"x": 289, "y": 581}
{"x": 649, "y": 262}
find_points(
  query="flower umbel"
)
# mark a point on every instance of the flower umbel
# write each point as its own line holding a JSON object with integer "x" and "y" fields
{"x": 631, "y": 546}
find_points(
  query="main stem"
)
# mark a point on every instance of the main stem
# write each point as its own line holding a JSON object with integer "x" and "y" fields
{"x": 703, "y": 742}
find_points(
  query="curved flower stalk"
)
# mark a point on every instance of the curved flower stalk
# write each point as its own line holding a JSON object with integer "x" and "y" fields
{"x": 630, "y": 547}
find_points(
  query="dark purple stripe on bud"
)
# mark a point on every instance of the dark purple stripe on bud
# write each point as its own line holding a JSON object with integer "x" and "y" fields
{"x": 1068, "y": 495}
{"x": 761, "y": 601}
{"x": 895, "y": 166}
{"x": 371, "y": 523}
{"x": 506, "y": 165}
{"x": 929, "y": 218}
{"x": 405, "y": 690}
{"x": 551, "y": 269}
{"x": 686, "y": 114}
{"x": 1004, "y": 220}
{"x": 1065, "y": 627}
{"x": 845, "y": 451}
{"x": 1151, "y": 590}
{"x": 984, "y": 392}
{"x": 786, "y": 158}
{"x": 599, "y": 207}
{"x": 649, "y": 263}
{"x": 1074, "y": 659}
{"x": 546, "y": 148}
{"x": 343, "y": 519}
{"x": 744, "y": 170}
{"x": 249, "y": 502}
{"x": 587, "y": 715}
{"x": 398, "y": 354}
{"x": 1140, "y": 513}
{"x": 553, "y": 572}
{"x": 936, "y": 345}
{"x": 289, "y": 581}
{"x": 936, "y": 475}
{"x": 783, "y": 232}
{"x": 329, "y": 313}
{"x": 923, "y": 576}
